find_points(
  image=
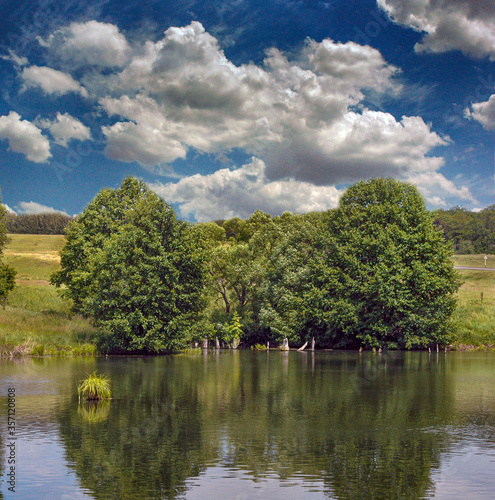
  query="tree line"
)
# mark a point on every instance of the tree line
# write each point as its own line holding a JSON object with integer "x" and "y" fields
{"x": 373, "y": 273}
{"x": 469, "y": 232}
{"x": 44, "y": 223}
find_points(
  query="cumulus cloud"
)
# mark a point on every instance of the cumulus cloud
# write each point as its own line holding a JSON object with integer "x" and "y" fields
{"x": 483, "y": 112}
{"x": 440, "y": 191}
{"x": 302, "y": 116}
{"x": 466, "y": 25}
{"x": 51, "y": 81}
{"x": 32, "y": 207}
{"x": 24, "y": 137}
{"x": 361, "y": 145}
{"x": 350, "y": 63}
{"x": 89, "y": 44}
{"x": 229, "y": 193}
{"x": 298, "y": 115}
{"x": 65, "y": 128}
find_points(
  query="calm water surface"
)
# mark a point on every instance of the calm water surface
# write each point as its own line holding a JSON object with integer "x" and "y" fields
{"x": 242, "y": 425}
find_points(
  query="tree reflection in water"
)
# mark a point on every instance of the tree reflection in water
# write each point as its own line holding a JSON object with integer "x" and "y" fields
{"x": 360, "y": 422}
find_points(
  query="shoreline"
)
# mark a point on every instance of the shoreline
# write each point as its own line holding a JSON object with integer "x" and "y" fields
{"x": 36, "y": 321}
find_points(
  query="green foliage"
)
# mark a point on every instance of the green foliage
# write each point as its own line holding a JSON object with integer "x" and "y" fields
{"x": 259, "y": 347}
{"x": 7, "y": 273}
{"x": 47, "y": 223}
{"x": 372, "y": 273}
{"x": 135, "y": 269}
{"x": 7, "y": 280}
{"x": 94, "y": 387}
{"x": 288, "y": 309}
{"x": 233, "y": 330}
{"x": 378, "y": 274}
{"x": 469, "y": 232}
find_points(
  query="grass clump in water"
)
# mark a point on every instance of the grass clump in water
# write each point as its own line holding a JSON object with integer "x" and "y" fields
{"x": 94, "y": 387}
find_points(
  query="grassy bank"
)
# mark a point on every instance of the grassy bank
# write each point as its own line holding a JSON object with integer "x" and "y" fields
{"x": 37, "y": 320}
{"x": 475, "y": 315}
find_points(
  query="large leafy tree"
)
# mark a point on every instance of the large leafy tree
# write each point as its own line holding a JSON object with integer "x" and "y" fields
{"x": 135, "y": 269}
{"x": 7, "y": 273}
{"x": 379, "y": 274}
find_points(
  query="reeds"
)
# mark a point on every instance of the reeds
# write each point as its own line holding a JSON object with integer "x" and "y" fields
{"x": 94, "y": 387}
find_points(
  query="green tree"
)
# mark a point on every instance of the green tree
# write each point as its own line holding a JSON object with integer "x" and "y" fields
{"x": 379, "y": 274}
{"x": 45, "y": 223}
{"x": 233, "y": 330}
{"x": 135, "y": 269}
{"x": 288, "y": 309}
{"x": 7, "y": 273}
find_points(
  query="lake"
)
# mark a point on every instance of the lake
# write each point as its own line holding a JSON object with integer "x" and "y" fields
{"x": 244, "y": 424}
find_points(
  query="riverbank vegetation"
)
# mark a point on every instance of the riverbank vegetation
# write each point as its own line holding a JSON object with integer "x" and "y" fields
{"x": 373, "y": 273}
{"x": 350, "y": 277}
{"x": 36, "y": 320}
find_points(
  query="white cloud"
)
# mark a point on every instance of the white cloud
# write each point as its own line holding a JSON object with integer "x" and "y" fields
{"x": 299, "y": 115}
{"x": 65, "y": 128}
{"x": 91, "y": 43}
{"x": 438, "y": 190}
{"x": 32, "y": 207}
{"x": 484, "y": 112}
{"x": 360, "y": 145}
{"x": 13, "y": 57}
{"x": 51, "y": 81}
{"x": 466, "y": 25}
{"x": 24, "y": 137}
{"x": 229, "y": 193}
{"x": 150, "y": 146}
{"x": 302, "y": 115}
{"x": 350, "y": 63}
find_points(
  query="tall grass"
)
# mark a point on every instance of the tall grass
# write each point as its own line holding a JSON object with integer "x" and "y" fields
{"x": 94, "y": 387}
{"x": 475, "y": 314}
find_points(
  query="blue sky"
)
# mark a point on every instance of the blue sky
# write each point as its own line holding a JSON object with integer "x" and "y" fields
{"x": 228, "y": 106}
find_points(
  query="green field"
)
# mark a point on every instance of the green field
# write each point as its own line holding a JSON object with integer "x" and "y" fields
{"x": 475, "y": 316}
{"x": 474, "y": 260}
{"x": 38, "y": 321}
